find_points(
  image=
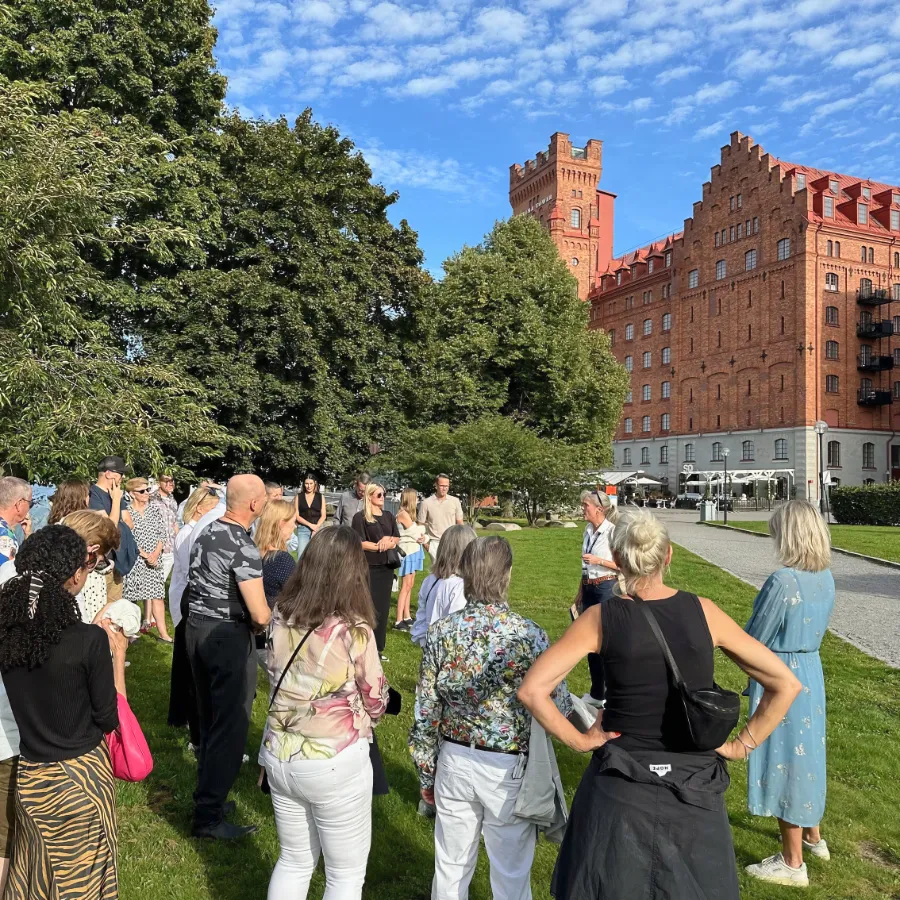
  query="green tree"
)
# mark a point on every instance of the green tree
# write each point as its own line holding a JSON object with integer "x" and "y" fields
{"x": 506, "y": 333}
{"x": 300, "y": 327}
{"x": 68, "y": 394}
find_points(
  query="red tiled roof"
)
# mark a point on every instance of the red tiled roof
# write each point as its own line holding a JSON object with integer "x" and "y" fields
{"x": 641, "y": 254}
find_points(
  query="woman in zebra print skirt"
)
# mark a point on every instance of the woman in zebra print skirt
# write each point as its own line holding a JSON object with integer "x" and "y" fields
{"x": 61, "y": 680}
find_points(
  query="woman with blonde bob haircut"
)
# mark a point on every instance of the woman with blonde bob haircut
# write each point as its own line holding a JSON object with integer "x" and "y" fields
{"x": 790, "y": 616}
{"x": 650, "y": 799}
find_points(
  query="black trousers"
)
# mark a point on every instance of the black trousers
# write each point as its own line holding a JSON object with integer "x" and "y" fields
{"x": 380, "y": 579}
{"x": 591, "y": 595}
{"x": 223, "y": 663}
{"x": 182, "y": 695}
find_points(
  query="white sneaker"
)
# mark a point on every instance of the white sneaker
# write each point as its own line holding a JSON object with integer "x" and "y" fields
{"x": 777, "y": 871}
{"x": 593, "y": 701}
{"x": 819, "y": 850}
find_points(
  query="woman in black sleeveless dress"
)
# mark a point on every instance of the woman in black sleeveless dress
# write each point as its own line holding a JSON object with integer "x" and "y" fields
{"x": 648, "y": 820}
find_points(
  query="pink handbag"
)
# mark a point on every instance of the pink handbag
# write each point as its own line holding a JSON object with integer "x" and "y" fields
{"x": 128, "y": 750}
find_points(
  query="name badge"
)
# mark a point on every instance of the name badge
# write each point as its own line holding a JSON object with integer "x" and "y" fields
{"x": 660, "y": 770}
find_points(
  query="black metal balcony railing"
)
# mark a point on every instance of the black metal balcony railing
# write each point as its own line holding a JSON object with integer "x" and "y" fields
{"x": 872, "y": 363}
{"x": 876, "y": 297}
{"x": 867, "y": 328}
{"x": 871, "y": 397}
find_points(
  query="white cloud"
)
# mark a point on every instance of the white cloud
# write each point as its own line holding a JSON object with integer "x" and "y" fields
{"x": 762, "y": 128}
{"x": 711, "y": 130}
{"x": 883, "y": 142}
{"x": 369, "y": 70}
{"x": 645, "y": 51}
{"x": 710, "y": 93}
{"x": 428, "y": 85}
{"x": 500, "y": 24}
{"x": 390, "y": 22}
{"x": 780, "y": 82}
{"x": 410, "y": 169}
{"x": 590, "y": 12}
{"x": 805, "y": 99}
{"x": 608, "y": 84}
{"x": 821, "y": 38}
{"x": 675, "y": 72}
{"x": 752, "y": 61}
{"x": 808, "y": 9}
{"x": 858, "y": 56}
{"x": 889, "y": 80}
{"x": 321, "y": 12}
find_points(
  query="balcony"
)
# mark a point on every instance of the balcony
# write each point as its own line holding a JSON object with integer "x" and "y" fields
{"x": 873, "y": 298}
{"x": 871, "y": 397}
{"x": 870, "y": 363}
{"x": 873, "y": 330}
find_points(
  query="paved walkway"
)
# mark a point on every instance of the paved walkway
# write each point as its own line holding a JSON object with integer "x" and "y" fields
{"x": 867, "y": 601}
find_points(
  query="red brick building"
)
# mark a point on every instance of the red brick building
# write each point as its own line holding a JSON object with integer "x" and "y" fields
{"x": 776, "y": 306}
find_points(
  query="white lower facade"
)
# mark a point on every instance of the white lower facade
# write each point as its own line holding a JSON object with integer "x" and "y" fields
{"x": 797, "y": 450}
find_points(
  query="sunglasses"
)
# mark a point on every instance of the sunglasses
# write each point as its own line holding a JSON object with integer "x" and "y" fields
{"x": 378, "y": 496}
{"x": 93, "y": 560}
{"x": 141, "y": 491}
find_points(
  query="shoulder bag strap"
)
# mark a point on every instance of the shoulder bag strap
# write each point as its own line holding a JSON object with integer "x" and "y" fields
{"x": 290, "y": 663}
{"x": 661, "y": 640}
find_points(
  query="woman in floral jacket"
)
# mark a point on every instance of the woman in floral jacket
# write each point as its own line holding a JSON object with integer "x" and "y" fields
{"x": 316, "y": 743}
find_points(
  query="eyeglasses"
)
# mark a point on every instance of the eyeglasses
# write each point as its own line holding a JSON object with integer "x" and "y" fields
{"x": 167, "y": 481}
{"x": 30, "y": 502}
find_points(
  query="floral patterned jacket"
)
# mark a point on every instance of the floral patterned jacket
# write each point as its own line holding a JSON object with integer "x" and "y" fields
{"x": 333, "y": 694}
{"x": 473, "y": 663}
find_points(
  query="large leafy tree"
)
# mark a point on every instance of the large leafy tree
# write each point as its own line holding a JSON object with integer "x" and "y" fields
{"x": 68, "y": 183}
{"x": 507, "y": 334}
{"x": 301, "y": 325}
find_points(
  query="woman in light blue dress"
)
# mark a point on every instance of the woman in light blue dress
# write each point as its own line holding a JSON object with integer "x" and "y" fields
{"x": 786, "y": 776}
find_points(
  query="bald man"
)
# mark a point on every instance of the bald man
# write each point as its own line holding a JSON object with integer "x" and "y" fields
{"x": 226, "y": 604}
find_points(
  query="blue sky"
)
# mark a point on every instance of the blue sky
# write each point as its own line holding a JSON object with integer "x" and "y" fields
{"x": 443, "y": 96}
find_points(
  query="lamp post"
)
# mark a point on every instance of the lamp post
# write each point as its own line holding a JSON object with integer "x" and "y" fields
{"x": 820, "y": 428}
{"x": 725, "y": 482}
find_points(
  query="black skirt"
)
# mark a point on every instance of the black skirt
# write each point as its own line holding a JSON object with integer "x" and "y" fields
{"x": 637, "y": 833}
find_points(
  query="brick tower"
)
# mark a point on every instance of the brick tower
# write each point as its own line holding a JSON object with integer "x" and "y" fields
{"x": 560, "y": 188}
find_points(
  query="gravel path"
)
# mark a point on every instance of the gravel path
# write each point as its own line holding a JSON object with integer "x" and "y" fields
{"x": 867, "y": 601}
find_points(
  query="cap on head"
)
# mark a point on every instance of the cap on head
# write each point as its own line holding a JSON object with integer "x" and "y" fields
{"x": 112, "y": 464}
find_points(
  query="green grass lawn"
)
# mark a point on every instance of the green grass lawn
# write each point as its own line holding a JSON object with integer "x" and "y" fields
{"x": 872, "y": 540}
{"x": 158, "y": 859}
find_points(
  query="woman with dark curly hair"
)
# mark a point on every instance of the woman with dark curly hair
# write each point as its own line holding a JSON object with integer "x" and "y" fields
{"x": 61, "y": 685}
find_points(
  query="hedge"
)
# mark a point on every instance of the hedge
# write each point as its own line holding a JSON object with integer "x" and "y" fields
{"x": 872, "y": 504}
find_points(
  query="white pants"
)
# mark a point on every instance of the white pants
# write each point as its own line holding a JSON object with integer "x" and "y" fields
{"x": 166, "y": 561}
{"x": 475, "y": 793}
{"x": 322, "y": 805}
{"x": 432, "y": 547}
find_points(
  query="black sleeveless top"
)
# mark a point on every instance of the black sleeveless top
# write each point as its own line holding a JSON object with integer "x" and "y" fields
{"x": 639, "y": 701}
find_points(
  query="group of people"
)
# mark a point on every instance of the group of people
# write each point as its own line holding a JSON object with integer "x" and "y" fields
{"x": 491, "y": 688}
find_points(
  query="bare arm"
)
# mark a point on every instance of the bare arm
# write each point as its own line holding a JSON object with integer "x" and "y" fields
{"x": 780, "y": 685}
{"x": 255, "y": 597}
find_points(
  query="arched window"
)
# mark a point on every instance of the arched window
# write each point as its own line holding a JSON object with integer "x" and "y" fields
{"x": 862, "y": 254}
{"x": 896, "y": 323}
{"x": 629, "y": 364}
{"x": 664, "y": 454}
{"x": 664, "y": 421}
{"x": 831, "y": 281}
{"x": 747, "y": 451}
{"x": 781, "y": 449}
{"x": 575, "y": 218}
{"x": 645, "y": 423}
{"x": 629, "y": 332}
{"x": 689, "y": 453}
{"x": 868, "y": 456}
{"x": 834, "y": 454}
{"x": 831, "y": 384}
{"x": 626, "y": 456}
{"x": 628, "y": 426}
{"x": 837, "y": 248}
{"x": 717, "y": 452}
{"x": 865, "y": 287}
{"x": 831, "y": 349}
{"x": 648, "y": 327}
{"x": 645, "y": 392}
{"x": 784, "y": 248}
{"x": 645, "y": 455}
{"x": 871, "y": 254}
{"x": 830, "y": 248}
{"x": 647, "y": 359}
{"x": 666, "y": 390}
{"x": 749, "y": 260}
{"x": 831, "y": 315}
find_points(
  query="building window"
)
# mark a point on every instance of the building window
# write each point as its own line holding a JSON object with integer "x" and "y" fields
{"x": 650, "y": 265}
{"x": 693, "y": 278}
{"x": 897, "y": 357}
{"x": 664, "y": 422}
{"x": 865, "y": 287}
{"x": 628, "y": 397}
{"x": 612, "y": 337}
{"x": 896, "y": 324}
{"x": 781, "y": 449}
{"x": 645, "y": 392}
{"x": 716, "y": 239}
{"x": 871, "y": 254}
{"x": 895, "y": 292}
{"x": 645, "y": 456}
{"x": 784, "y": 248}
{"x": 731, "y": 234}
{"x": 664, "y": 455}
{"x": 718, "y": 338}
{"x": 868, "y": 456}
{"x": 647, "y": 297}
{"x": 666, "y": 355}
{"x": 731, "y": 204}
{"x": 831, "y": 315}
{"x": 755, "y": 225}
{"x": 629, "y": 332}
{"x": 667, "y": 318}
{"x": 648, "y": 327}
{"x": 647, "y": 359}
{"x": 831, "y": 281}
{"x": 834, "y": 454}
{"x": 740, "y": 231}
{"x": 626, "y": 456}
{"x": 717, "y": 452}
{"x": 720, "y": 269}
{"x": 833, "y": 186}
{"x": 574, "y": 261}
{"x": 666, "y": 390}
{"x": 575, "y": 218}
{"x": 867, "y": 193}
{"x": 897, "y": 390}
{"x": 865, "y": 386}
{"x": 629, "y": 364}
{"x": 668, "y": 258}
{"x": 629, "y": 302}
{"x": 895, "y": 220}
{"x": 837, "y": 248}
{"x": 724, "y": 236}
{"x": 829, "y": 248}
{"x": 831, "y": 350}
{"x": 740, "y": 201}
{"x": 862, "y": 254}
{"x": 801, "y": 181}
{"x": 749, "y": 260}
{"x": 645, "y": 423}
{"x": 618, "y": 277}
{"x": 689, "y": 453}
{"x": 828, "y": 207}
{"x": 831, "y": 384}
{"x": 628, "y": 425}
{"x": 862, "y": 214}
{"x": 747, "y": 451}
